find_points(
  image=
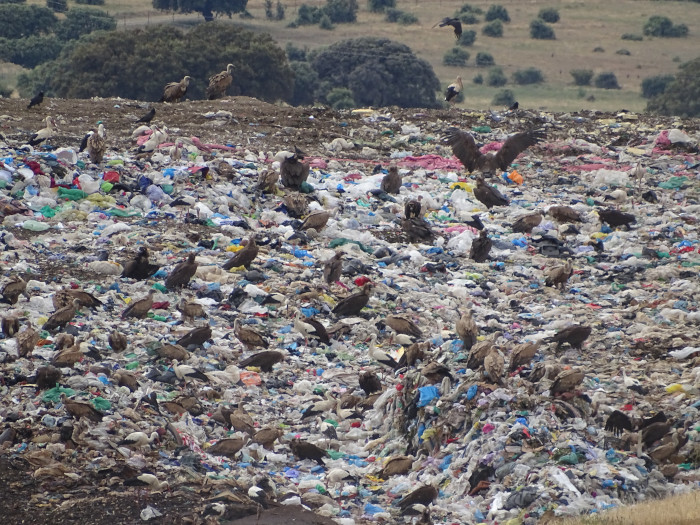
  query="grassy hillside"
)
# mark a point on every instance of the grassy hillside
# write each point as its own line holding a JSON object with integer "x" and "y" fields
{"x": 584, "y": 25}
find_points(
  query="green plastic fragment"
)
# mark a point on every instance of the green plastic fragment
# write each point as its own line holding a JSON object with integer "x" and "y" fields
{"x": 53, "y": 395}
{"x": 100, "y": 403}
{"x": 663, "y": 255}
{"x": 122, "y": 213}
{"x": 160, "y": 287}
{"x": 342, "y": 241}
{"x": 107, "y": 187}
{"x": 47, "y": 211}
{"x": 132, "y": 365}
{"x": 334, "y": 454}
{"x": 159, "y": 318}
{"x": 590, "y": 201}
{"x": 331, "y": 422}
{"x": 569, "y": 459}
{"x": 305, "y": 187}
{"x": 115, "y": 162}
{"x": 482, "y": 129}
{"x": 71, "y": 194}
{"x": 673, "y": 183}
{"x": 167, "y": 188}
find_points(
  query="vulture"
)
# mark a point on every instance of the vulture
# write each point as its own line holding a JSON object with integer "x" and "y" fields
{"x": 333, "y": 268}
{"x": 65, "y": 297}
{"x": 10, "y": 325}
{"x": 618, "y": 421}
{"x": 68, "y": 356}
{"x": 117, "y": 340}
{"x": 96, "y": 144}
{"x": 435, "y": 372}
{"x": 175, "y": 91}
{"x": 182, "y": 273}
{"x": 296, "y": 204}
{"x": 412, "y": 209}
{"x": 574, "y": 335}
{"x": 36, "y": 100}
{"x": 47, "y": 377}
{"x": 79, "y": 410}
{"x": 522, "y": 354}
{"x": 353, "y": 304}
{"x": 190, "y": 309}
{"x": 418, "y": 230}
{"x": 616, "y": 218}
{"x": 62, "y": 317}
{"x": 146, "y": 119}
{"x": 369, "y": 382}
{"x": 197, "y": 337}
{"x": 488, "y": 195}
{"x": 227, "y": 447}
{"x": 455, "y": 23}
{"x": 564, "y": 214}
{"x": 453, "y": 90}
{"x": 267, "y": 181}
{"x": 264, "y": 360}
{"x": 467, "y": 330}
{"x": 219, "y": 83}
{"x": 514, "y": 106}
{"x": 481, "y": 246}
{"x": 26, "y": 340}
{"x": 526, "y": 223}
{"x": 465, "y": 149}
{"x": 12, "y": 289}
{"x": 139, "y": 268}
{"x": 558, "y": 275}
{"x": 267, "y": 437}
{"x": 391, "y": 182}
{"x": 316, "y": 220}
{"x": 567, "y": 380}
{"x": 44, "y": 133}
{"x": 480, "y": 350}
{"x": 249, "y": 337}
{"x": 494, "y": 365}
{"x": 401, "y": 325}
{"x": 396, "y": 466}
{"x": 305, "y": 450}
{"x": 424, "y": 495}
{"x": 413, "y": 353}
{"x": 139, "y": 309}
{"x": 243, "y": 257}
{"x": 292, "y": 171}
{"x": 125, "y": 378}
{"x": 173, "y": 352}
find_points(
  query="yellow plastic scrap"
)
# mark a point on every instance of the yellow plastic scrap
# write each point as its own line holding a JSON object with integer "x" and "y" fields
{"x": 635, "y": 151}
{"x": 462, "y": 186}
{"x": 234, "y": 248}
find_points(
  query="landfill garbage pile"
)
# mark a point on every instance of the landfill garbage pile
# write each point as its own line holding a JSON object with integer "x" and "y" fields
{"x": 244, "y": 311}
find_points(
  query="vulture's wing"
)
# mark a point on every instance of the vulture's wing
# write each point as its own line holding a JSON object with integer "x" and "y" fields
{"x": 464, "y": 148}
{"x": 617, "y": 422}
{"x": 515, "y": 145}
{"x": 84, "y": 142}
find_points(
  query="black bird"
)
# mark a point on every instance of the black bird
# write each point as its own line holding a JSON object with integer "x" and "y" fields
{"x": 488, "y": 195}
{"x": 619, "y": 421}
{"x": 139, "y": 268}
{"x": 36, "y": 100}
{"x": 306, "y": 450}
{"x": 514, "y": 106}
{"x": 455, "y": 23}
{"x": 574, "y": 335}
{"x": 197, "y": 336}
{"x": 412, "y": 209}
{"x": 616, "y": 218}
{"x": 475, "y": 222}
{"x": 293, "y": 171}
{"x": 352, "y": 304}
{"x": 369, "y": 382}
{"x": 148, "y": 116}
{"x": 480, "y": 247}
{"x": 418, "y": 230}
{"x": 424, "y": 495}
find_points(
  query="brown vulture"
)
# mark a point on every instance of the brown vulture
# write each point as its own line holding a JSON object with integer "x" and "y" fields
{"x": 219, "y": 83}
{"x": 175, "y": 91}
{"x": 453, "y": 90}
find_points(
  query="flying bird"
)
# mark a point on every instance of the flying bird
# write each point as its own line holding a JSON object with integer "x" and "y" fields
{"x": 219, "y": 83}
{"x": 146, "y": 119}
{"x": 453, "y": 90}
{"x": 293, "y": 171}
{"x": 36, "y": 100}
{"x": 455, "y": 23}
{"x": 465, "y": 149}
{"x": 44, "y": 134}
{"x": 488, "y": 195}
{"x": 391, "y": 182}
{"x": 175, "y": 91}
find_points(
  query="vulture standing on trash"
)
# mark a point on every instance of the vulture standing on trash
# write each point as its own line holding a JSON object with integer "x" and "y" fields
{"x": 139, "y": 268}
{"x": 413, "y": 208}
{"x": 316, "y": 220}
{"x": 62, "y": 317}
{"x": 527, "y": 223}
{"x": 117, "y": 340}
{"x": 264, "y": 360}
{"x": 467, "y": 330}
{"x": 401, "y": 325}
{"x": 12, "y": 289}
{"x": 353, "y": 304}
{"x": 65, "y": 297}
{"x": 488, "y": 195}
{"x": 567, "y": 380}
{"x": 424, "y": 495}
{"x": 453, "y": 90}
{"x": 267, "y": 181}
{"x": 249, "y": 337}
{"x": 616, "y": 218}
{"x": 333, "y": 268}
{"x": 564, "y": 214}
{"x": 26, "y": 340}
{"x": 396, "y": 466}
{"x": 175, "y": 91}
{"x": 558, "y": 275}
{"x": 36, "y": 100}
{"x": 182, "y": 273}
{"x": 219, "y": 83}
{"x": 96, "y": 144}
{"x": 47, "y": 377}
{"x": 369, "y": 382}
{"x": 243, "y": 257}
{"x": 391, "y": 182}
{"x": 43, "y": 134}
{"x": 228, "y": 447}
{"x": 465, "y": 149}
{"x": 293, "y": 171}
{"x": 455, "y": 23}
{"x": 296, "y": 204}
{"x": 197, "y": 337}
{"x": 140, "y": 308}
{"x": 494, "y": 365}
{"x": 190, "y": 309}
{"x": 522, "y": 354}
{"x": 574, "y": 335}
{"x": 418, "y": 230}
{"x": 10, "y": 325}
{"x": 481, "y": 246}
{"x": 79, "y": 410}
{"x": 305, "y": 450}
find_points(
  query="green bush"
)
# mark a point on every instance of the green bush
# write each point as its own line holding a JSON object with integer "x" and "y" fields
{"x": 681, "y": 96}
{"x": 530, "y": 75}
{"x": 392, "y": 15}
{"x": 455, "y": 57}
{"x": 83, "y": 20}
{"x": 469, "y": 19}
{"x": 623, "y": 51}
{"x": 340, "y": 98}
{"x": 468, "y": 37}
{"x": 549, "y": 14}
{"x": 656, "y": 85}
{"x": 5, "y": 91}
{"x": 598, "y": 49}
{"x": 295, "y": 53}
{"x": 493, "y": 29}
{"x": 582, "y": 77}
{"x": 484, "y": 59}
{"x": 505, "y": 97}
{"x": 25, "y": 20}
{"x": 379, "y": 6}
{"x": 407, "y": 19}
{"x": 663, "y": 27}
{"x": 541, "y": 31}
{"x": 308, "y": 15}
{"x": 31, "y": 51}
{"x": 325, "y": 23}
{"x": 57, "y": 6}
{"x": 632, "y": 36}
{"x": 305, "y": 82}
{"x": 496, "y": 77}
{"x": 208, "y": 8}
{"x": 468, "y": 8}
{"x": 606, "y": 80}
{"x": 90, "y": 2}
{"x": 497, "y": 12}
{"x": 341, "y": 11}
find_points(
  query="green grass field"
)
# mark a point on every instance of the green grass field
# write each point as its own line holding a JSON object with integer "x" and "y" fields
{"x": 584, "y": 25}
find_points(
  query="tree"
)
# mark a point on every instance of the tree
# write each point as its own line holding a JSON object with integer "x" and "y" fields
{"x": 25, "y": 20}
{"x": 606, "y": 80}
{"x": 307, "y": 15}
{"x": 531, "y": 75}
{"x": 305, "y": 82}
{"x": 31, "y": 51}
{"x": 280, "y": 11}
{"x": 295, "y": 53}
{"x": 663, "y": 27}
{"x": 340, "y": 98}
{"x": 582, "y": 77}
{"x": 341, "y": 11}
{"x": 325, "y": 23}
{"x": 90, "y": 2}
{"x": 682, "y": 96}
{"x": 505, "y": 97}
{"x": 455, "y": 57}
{"x": 493, "y": 29}
{"x": 632, "y": 36}
{"x": 468, "y": 38}
{"x": 379, "y": 6}
{"x": 549, "y": 14}
{"x": 497, "y": 12}
{"x": 484, "y": 59}
{"x": 81, "y": 21}
{"x": 141, "y": 62}
{"x": 541, "y": 31}
{"x": 208, "y": 8}
{"x": 407, "y": 19}
{"x": 57, "y": 6}
{"x": 268, "y": 10}
{"x": 496, "y": 78}
{"x": 656, "y": 85}
{"x": 379, "y": 72}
